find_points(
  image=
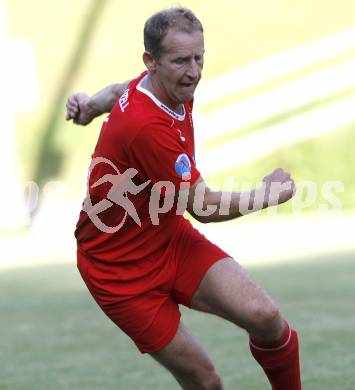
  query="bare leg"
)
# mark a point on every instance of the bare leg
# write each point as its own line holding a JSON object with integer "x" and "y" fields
{"x": 227, "y": 291}
{"x": 188, "y": 362}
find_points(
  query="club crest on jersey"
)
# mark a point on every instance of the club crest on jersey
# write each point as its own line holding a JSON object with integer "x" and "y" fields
{"x": 183, "y": 166}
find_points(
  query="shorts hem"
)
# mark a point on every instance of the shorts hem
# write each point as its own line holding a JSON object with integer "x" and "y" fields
{"x": 188, "y": 301}
{"x": 163, "y": 342}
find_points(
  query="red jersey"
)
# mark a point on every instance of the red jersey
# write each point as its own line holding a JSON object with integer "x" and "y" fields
{"x": 142, "y": 143}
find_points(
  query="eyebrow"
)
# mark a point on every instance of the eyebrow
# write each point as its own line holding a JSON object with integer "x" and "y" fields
{"x": 185, "y": 57}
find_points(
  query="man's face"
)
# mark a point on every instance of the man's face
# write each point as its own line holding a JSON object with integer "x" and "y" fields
{"x": 179, "y": 67}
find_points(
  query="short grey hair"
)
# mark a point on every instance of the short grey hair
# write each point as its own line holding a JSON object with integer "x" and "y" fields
{"x": 157, "y": 26}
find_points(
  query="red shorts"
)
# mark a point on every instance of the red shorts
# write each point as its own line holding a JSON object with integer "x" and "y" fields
{"x": 142, "y": 297}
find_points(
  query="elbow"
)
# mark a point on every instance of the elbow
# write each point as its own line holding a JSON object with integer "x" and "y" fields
{"x": 202, "y": 218}
{"x": 202, "y": 215}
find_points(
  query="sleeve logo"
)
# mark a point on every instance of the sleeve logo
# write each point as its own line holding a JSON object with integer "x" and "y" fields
{"x": 183, "y": 166}
{"x": 123, "y": 101}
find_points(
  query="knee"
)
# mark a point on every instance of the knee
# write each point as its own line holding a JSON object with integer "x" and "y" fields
{"x": 208, "y": 379}
{"x": 211, "y": 382}
{"x": 266, "y": 317}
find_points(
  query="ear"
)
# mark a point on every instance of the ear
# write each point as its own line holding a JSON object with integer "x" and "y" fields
{"x": 149, "y": 62}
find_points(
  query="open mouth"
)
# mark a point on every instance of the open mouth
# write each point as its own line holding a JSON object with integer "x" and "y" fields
{"x": 187, "y": 85}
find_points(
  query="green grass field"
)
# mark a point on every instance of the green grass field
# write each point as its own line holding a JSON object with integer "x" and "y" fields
{"x": 53, "y": 336}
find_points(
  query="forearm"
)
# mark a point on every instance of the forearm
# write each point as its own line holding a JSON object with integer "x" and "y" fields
{"x": 104, "y": 100}
{"x": 211, "y": 206}
{"x": 224, "y": 206}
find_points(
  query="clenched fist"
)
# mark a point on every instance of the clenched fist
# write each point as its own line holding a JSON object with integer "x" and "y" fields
{"x": 279, "y": 187}
{"x": 79, "y": 110}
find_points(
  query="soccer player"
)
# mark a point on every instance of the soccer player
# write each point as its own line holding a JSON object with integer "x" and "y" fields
{"x": 140, "y": 266}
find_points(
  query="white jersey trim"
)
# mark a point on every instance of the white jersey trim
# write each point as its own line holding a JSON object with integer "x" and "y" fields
{"x": 175, "y": 115}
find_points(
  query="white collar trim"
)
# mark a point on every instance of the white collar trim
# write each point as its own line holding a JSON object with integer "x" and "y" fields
{"x": 175, "y": 115}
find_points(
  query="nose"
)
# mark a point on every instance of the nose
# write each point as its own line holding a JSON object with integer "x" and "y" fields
{"x": 194, "y": 70}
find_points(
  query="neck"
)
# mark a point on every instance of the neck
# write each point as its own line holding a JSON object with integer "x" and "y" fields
{"x": 153, "y": 86}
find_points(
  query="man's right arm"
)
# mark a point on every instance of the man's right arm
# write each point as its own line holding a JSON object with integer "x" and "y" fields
{"x": 82, "y": 108}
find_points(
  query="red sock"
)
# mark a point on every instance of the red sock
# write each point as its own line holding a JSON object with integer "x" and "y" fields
{"x": 280, "y": 360}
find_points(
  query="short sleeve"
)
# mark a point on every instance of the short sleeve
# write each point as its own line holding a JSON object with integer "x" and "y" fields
{"x": 159, "y": 155}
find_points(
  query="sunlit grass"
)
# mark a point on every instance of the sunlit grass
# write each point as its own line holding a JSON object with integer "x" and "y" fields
{"x": 55, "y": 337}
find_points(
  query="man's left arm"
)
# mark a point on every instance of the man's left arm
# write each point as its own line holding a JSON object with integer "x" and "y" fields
{"x": 217, "y": 206}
